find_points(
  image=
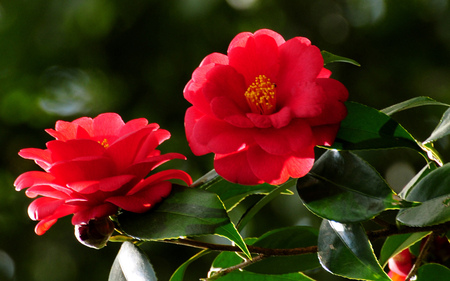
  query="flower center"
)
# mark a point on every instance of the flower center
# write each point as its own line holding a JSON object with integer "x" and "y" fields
{"x": 104, "y": 143}
{"x": 261, "y": 95}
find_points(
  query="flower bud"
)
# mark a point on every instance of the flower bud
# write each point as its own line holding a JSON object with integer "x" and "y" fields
{"x": 96, "y": 233}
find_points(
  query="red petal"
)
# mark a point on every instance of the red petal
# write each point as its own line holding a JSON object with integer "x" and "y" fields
{"x": 325, "y": 135}
{"x": 215, "y": 58}
{"x": 95, "y": 212}
{"x": 258, "y": 56}
{"x": 226, "y": 109}
{"x": 299, "y": 62}
{"x": 144, "y": 200}
{"x": 277, "y": 169}
{"x": 141, "y": 169}
{"x": 73, "y": 149}
{"x": 31, "y": 178}
{"x": 47, "y": 191}
{"x": 190, "y": 120}
{"x": 221, "y": 137}
{"x": 92, "y": 168}
{"x": 135, "y": 125}
{"x": 44, "y": 225}
{"x": 40, "y": 156}
{"x": 234, "y": 167}
{"x": 162, "y": 176}
{"x": 43, "y": 207}
{"x": 107, "y": 124}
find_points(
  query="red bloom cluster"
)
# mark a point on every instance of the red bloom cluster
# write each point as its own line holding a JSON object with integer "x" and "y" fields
{"x": 96, "y": 166}
{"x": 263, "y": 107}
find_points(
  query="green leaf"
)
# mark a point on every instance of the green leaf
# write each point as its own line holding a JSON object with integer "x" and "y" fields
{"x": 442, "y": 129}
{"x": 229, "y": 259}
{"x": 250, "y": 276}
{"x": 411, "y": 103}
{"x": 178, "y": 275}
{"x": 434, "y": 193}
{"x": 186, "y": 212}
{"x": 367, "y": 128}
{"x": 396, "y": 243}
{"x": 433, "y": 271}
{"x": 343, "y": 187}
{"x": 131, "y": 264}
{"x": 345, "y": 250}
{"x": 287, "y": 238}
{"x": 230, "y": 193}
{"x": 329, "y": 58}
{"x": 419, "y": 176}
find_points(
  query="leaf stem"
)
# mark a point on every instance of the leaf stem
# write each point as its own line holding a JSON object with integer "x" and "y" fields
{"x": 241, "y": 265}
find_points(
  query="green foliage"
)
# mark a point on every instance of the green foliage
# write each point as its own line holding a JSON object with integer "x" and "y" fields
{"x": 345, "y": 250}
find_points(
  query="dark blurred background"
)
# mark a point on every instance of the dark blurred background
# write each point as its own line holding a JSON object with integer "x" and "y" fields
{"x": 60, "y": 60}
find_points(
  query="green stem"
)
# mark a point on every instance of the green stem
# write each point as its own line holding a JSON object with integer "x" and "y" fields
{"x": 261, "y": 203}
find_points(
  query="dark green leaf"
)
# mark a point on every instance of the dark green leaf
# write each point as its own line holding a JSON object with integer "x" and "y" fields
{"x": 229, "y": 259}
{"x": 442, "y": 129}
{"x": 396, "y": 243}
{"x": 178, "y": 275}
{"x": 287, "y": 238}
{"x": 433, "y": 271}
{"x": 411, "y": 103}
{"x": 343, "y": 187}
{"x": 329, "y": 58}
{"x": 367, "y": 128}
{"x": 230, "y": 193}
{"x": 250, "y": 276}
{"x": 419, "y": 176}
{"x": 186, "y": 212}
{"x": 345, "y": 250}
{"x": 434, "y": 193}
{"x": 131, "y": 264}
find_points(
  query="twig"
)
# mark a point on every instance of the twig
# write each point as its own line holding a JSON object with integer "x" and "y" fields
{"x": 241, "y": 265}
{"x": 422, "y": 255}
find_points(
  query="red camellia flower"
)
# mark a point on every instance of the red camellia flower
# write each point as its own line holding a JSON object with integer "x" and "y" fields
{"x": 96, "y": 166}
{"x": 263, "y": 107}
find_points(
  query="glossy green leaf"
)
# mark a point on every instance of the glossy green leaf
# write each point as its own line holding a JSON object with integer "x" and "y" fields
{"x": 287, "y": 238}
{"x": 343, "y": 187}
{"x": 433, "y": 271}
{"x": 230, "y": 193}
{"x": 345, "y": 250}
{"x": 434, "y": 193}
{"x": 411, "y": 103}
{"x": 131, "y": 264}
{"x": 186, "y": 212}
{"x": 229, "y": 259}
{"x": 329, "y": 58}
{"x": 396, "y": 243}
{"x": 367, "y": 128}
{"x": 419, "y": 176}
{"x": 178, "y": 275}
{"x": 442, "y": 129}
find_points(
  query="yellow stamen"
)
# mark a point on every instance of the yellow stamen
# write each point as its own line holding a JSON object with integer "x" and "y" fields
{"x": 104, "y": 143}
{"x": 261, "y": 95}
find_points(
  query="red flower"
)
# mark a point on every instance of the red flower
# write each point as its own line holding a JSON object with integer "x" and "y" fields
{"x": 96, "y": 166}
{"x": 263, "y": 107}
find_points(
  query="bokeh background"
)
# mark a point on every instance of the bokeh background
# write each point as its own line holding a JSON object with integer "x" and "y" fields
{"x": 60, "y": 60}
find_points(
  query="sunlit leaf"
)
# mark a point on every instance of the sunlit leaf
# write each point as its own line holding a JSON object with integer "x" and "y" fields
{"x": 367, "y": 128}
{"x": 420, "y": 175}
{"x": 230, "y": 193}
{"x": 442, "y": 129}
{"x": 411, "y": 103}
{"x": 396, "y": 243}
{"x": 433, "y": 271}
{"x": 329, "y": 58}
{"x": 343, "y": 187}
{"x": 345, "y": 250}
{"x": 287, "y": 238}
{"x": 186, "y": 212}
{"x": 131, "y": 264}
{"x": 434, "y": 193}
